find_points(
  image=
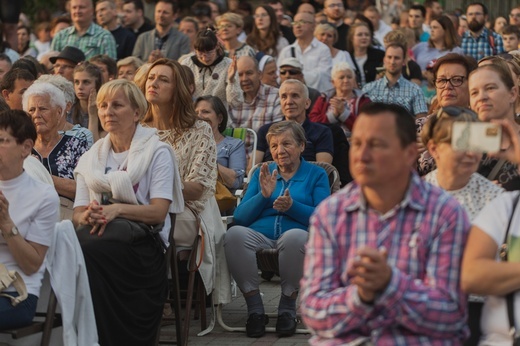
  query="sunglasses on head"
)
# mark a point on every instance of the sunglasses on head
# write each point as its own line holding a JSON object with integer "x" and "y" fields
{"x": 291, "y": 72}
{"x": 454, "y": 111}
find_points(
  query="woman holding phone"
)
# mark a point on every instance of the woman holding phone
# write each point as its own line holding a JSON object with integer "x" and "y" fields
{"x": 493, "y": 94}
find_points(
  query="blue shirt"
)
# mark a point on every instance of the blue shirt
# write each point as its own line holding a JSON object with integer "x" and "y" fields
{"x": 319, "y": 140}
{"x": 480, "y": 47}
{"x": 403, "y": 93}
{"x": 308, "y": 187}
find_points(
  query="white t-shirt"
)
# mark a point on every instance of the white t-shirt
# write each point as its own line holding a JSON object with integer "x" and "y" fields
{"x": 157, "y": 182}
{"x": 493, "y": 220}
{"x": 360, "y": 61}
{"x": 34, "y": 208}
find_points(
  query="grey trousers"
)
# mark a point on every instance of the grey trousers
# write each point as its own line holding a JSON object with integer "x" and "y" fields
{"x": 241, "y": 244}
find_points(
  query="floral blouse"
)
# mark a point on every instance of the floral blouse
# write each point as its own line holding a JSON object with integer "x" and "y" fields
{"x": 64, "y": 157}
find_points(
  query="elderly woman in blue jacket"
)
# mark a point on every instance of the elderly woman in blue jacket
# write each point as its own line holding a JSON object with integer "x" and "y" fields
{"x": 275, "y": 214}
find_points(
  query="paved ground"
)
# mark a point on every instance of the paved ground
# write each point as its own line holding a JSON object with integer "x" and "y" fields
{"x": 234, "y": 315}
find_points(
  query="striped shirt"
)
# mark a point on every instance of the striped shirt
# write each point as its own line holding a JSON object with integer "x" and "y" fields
{"x": 480, "y": 46}
{"x": 403, "y": 93}
{"x": 96, "y": 40}
{"x": 425, "y": 236}
{"x": 264, "y": 109}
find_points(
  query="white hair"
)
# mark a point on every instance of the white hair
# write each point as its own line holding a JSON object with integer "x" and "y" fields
{"x": 61, "y": 83}
{"x": 340, "y": 67}
{"x": 56, "y": 96}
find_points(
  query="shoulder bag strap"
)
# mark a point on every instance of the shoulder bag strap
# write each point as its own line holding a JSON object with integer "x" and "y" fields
{"x": 494, "y": 172}
{"x": 510, "y": 297}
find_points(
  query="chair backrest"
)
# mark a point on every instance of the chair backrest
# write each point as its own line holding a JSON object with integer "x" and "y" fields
{"x": 242, "y": 133}
{"x": 332, "y": 173}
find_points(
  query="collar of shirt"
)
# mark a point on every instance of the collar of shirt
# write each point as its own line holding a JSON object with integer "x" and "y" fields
{"x": 90, "y": 31}
{"x": 484, "y": 33}
{"x": 413, "y": 197}
{"x": 397, "y": 84}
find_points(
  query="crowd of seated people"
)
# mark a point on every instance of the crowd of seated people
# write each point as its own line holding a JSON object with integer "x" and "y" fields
{"x": 113, "y": 116}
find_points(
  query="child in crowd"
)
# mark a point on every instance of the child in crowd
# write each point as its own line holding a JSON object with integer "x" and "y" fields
{"x": 511, "y": 37}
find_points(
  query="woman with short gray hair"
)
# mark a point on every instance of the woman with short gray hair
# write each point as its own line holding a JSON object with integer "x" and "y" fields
{"x": 275, "y": 214}
{"x": 340, "y": 105}
{"x": 59, "y": 152}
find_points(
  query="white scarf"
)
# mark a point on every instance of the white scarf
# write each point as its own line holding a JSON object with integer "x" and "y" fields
{"x": 92, "y": 164}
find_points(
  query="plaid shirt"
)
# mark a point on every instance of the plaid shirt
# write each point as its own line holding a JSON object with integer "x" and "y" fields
{"x": 264, "y": 109}
{"x": 403, "y": 93}
{"x": 479, "y": 47}
{"x": 96, "y": 40}
{"x": 423, "y": 304}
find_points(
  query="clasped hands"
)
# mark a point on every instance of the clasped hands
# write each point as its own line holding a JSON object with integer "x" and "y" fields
{"x": 268, "y": 185}
{"x": 98, "y": 216}
{"x": 370, "y": 272}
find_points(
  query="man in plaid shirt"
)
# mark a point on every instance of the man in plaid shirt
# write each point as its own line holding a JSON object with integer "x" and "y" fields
{"x": 478, "y": 41}
{"x": 84, "y": 34}
{"x": 382, "y": 264}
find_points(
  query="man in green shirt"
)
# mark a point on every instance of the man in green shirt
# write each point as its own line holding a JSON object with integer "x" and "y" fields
{"x": 84, "y": 33}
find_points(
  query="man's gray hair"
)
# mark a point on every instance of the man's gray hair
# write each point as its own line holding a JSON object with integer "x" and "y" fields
{"x": 303, "y": 87}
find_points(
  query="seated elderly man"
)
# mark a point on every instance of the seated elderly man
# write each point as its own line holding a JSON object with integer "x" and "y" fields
{"x": 261, "y": 102}
{"x": 382, "y": 264}
{"x": 294, "y": 98}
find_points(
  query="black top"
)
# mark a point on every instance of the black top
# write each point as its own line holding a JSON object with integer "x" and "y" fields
{"x": 412, "y": 70}
{"x": 125, "y": 41}
{"x": 287, "y": 33}
{"x": 144, "y": 28}
{"x": 342, "y": 37}
{"x": 374, "y": 59}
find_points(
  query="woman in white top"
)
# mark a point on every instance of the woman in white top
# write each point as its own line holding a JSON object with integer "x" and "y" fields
{"x": 492, "y": 96}
{"x": 29, "y": 210}
{"x": 126, "y": 184}
{"x": 328, "y": 34}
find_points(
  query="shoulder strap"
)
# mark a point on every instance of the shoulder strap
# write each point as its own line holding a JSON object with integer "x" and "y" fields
{"x": 293, "y": 52}
{"x": 494, "y": 172}
{"x": 510, "y": 297}
{"x": 491, "y": 41}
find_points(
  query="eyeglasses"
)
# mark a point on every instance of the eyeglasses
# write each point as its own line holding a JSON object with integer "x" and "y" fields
{"x": 261, "y": 15}
{"x": 516, "y": 15}
{"x": 206, "y": 54}
{"x": 301, "y": 22}
{"x": 339, "y": 5}
{"x": 291, "y": 72}
{"x": 64, "y": 66}
{"x": 455, "y": 81}
{"x": 225, "y": 26}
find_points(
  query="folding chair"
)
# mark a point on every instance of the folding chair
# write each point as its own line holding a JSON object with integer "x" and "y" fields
{"x": 42, "y": 323}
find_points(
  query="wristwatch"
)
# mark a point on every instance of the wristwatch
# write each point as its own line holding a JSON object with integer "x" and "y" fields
{"x": 14, "y": 232}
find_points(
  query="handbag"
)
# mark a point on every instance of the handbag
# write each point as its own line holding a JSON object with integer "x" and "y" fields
{"x": 510, "y": 297}
{"x": 120, "y": 230}
{"x": 224, "y": 197}
{"x": 12, "y": 278}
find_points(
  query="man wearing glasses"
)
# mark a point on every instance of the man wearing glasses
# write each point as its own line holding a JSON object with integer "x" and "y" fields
{"x": 478, "y": 41}
{"x": 335, "y": 11}
{"x": 514, "y": 17}
{"x": 314, "y": 55}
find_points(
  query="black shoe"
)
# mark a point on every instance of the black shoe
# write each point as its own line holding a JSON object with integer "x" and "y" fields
{"x": 255, "y": 325}
{"x": 286, "y": 324}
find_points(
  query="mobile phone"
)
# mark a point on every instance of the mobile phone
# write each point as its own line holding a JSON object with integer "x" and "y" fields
{"x": 476, "y": 137}
{"x": 380, "y": 69}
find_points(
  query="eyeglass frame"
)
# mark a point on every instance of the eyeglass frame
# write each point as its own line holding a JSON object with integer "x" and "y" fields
{"x": 450, "y": 80}
{"x": 301, "y": 22}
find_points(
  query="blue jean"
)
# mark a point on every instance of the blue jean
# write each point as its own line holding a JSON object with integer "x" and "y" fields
{"x": 17, "y": 316}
